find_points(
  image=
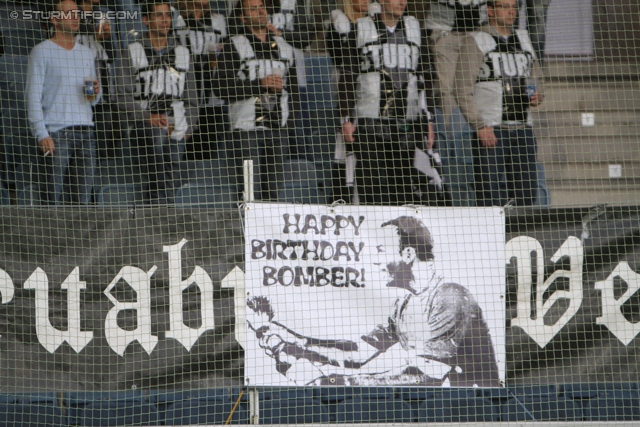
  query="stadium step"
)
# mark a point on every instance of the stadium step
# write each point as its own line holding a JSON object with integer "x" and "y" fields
{"x": 577, "y": 157}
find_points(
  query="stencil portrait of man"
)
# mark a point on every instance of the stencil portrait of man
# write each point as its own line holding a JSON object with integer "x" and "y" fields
{"x": 435, "y": 333}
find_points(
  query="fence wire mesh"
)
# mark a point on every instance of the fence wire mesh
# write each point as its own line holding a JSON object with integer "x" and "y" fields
{"x": 318, "y": 211}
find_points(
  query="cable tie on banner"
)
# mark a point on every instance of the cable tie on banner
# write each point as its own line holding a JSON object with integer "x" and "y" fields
{"x": 414, "y": 207}
{"x": 336, "y": 203}
{"x": 594, "y": 213}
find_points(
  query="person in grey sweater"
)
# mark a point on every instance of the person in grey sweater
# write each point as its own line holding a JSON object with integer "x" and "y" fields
{"x": 62, "y": 85}
{"x": 157, "y": 94}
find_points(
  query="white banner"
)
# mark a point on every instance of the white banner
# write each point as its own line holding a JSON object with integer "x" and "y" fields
{"x": 355, "y": 295}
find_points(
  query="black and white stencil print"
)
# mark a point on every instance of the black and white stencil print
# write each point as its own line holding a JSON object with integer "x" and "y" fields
{"x": 355, "y": 295}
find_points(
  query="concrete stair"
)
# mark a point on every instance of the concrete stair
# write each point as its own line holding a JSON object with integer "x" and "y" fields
{"x": 576, "y": 157}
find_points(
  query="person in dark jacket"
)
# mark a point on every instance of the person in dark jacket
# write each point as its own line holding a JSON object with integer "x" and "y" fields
{"x": 257, "y": 77}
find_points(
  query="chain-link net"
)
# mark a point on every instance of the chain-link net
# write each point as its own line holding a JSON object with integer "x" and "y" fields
{"x": 318, "y": 211}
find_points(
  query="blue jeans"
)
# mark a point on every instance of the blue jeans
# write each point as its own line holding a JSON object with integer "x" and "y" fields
{"x": 160, "y": 158}
{"x": 71, "y": 169}
{"x": 507, "y": 171}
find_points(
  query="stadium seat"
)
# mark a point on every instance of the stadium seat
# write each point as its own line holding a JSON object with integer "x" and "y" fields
{"x": 24, "y": 163}
{"x": 298, "y": 170}
{"x": 110, "y": 409}
{"x": 207, "y": 196}
{"x": 5, "y": 199}
{"x": 323, "y": 122}
{"x": 330, "y": 395}
{"x": 539, "y": 403}
{"x": 372, "y": 405}
{"x": 320, "y": 97}
{"x": 27, "y": 410}
{"x": 18, "y": 145}
{"x": 614, "y": 406}
{"x": 118, "y": 172}
{"x": 320, "y": 147}
{"x": 291, "y": 407}
{"x": 29, "y": 196}
{"x": 209, "y": 406}
{"x": 414, "y": 397}
{"x": 207, "y": 172}
{"x": 323, "y": 172}
{"x": 13, "y": 78}
{"x": 319, "y": 68}
{"x": 360, "y": 410}
{"x": 121, "y": 195}
{"x": 25, "y": 174}
{"x": 606, "y": 401}
{"x": 458, "y": 406}
{"x": 20, "y": 41}
{"x": 305, "y": 192}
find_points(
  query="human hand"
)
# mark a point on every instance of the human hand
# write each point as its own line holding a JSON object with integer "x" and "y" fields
{"x": 273, "y": 83}
{"x": 47, "y": 146}
{"x": 348, "y": 129}
{"x": 272, "y": 28}
{"x": 431, "y": 137}
{"x": 158, "y": 121}
{"x": 487, "y": 137}
{"x": 103, "y": 32}
{"x": 535, "y": 99}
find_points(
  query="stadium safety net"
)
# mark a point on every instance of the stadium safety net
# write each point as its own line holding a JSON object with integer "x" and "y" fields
{"x": 319, "y": 211}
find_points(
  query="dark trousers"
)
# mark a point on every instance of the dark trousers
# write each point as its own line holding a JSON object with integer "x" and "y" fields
{"x": 507, "y": 171}
{"x": 159, "y": 157}
{"x": 267, "y": 148}
{"x": 208, "y": 138}
{"x": 385, "y": 171}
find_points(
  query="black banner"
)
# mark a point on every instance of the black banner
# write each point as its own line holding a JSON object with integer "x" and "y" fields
{"x": 88, "y": 301}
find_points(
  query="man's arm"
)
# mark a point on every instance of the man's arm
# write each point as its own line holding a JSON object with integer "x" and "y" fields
{"x": 126, "y": 88}
{"x": 97, "y": 87}
{"x": 427, "y": 78}
{"x": 538, "y": 76}
{"x": 469, "y": 63}
{"x": 35, "y": 86}
{"x": 342, "y": 354}
{"x": 191, "y": 101}
{"x": 231, "y": 83}
{"x": 293, "y": 88}
{"x": 340, "y": 42}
